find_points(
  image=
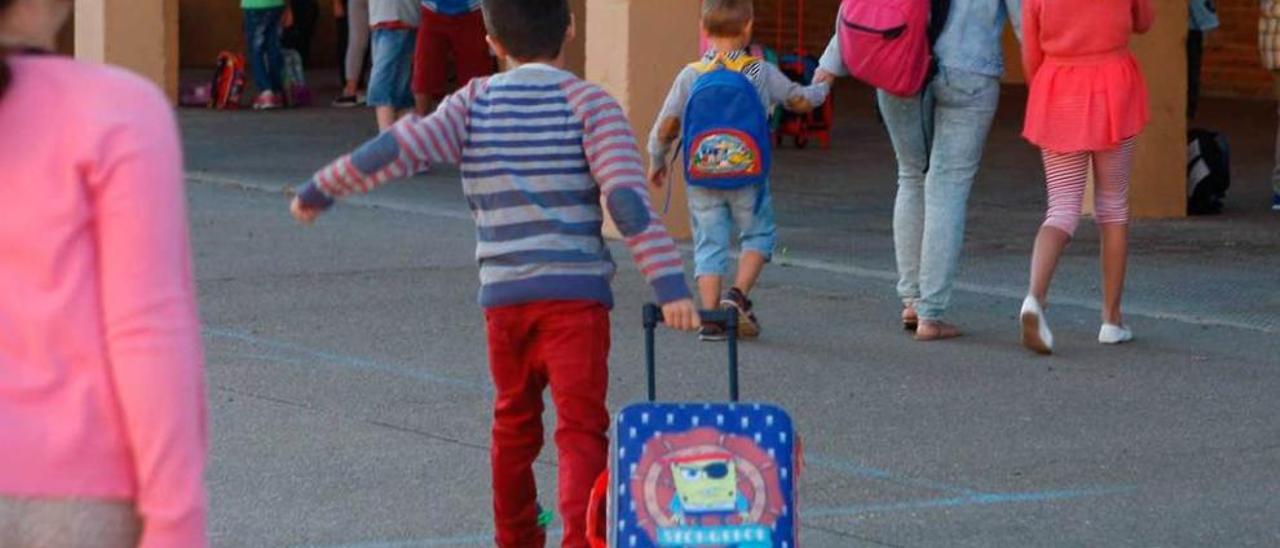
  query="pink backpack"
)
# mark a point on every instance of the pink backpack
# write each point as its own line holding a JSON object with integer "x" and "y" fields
{"x": 887, "y": 43}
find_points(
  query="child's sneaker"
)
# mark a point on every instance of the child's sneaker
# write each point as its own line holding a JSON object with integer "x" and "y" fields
{"x": 346, "y": 101}
{"x": 712, "y": 332}
{"x": 748, "y": 325}
{"x": 268, "y": 100}
{"x": 1275, "y": 202}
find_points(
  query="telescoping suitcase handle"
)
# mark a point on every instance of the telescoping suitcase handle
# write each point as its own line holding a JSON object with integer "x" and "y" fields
{"x": 729, "y": 317}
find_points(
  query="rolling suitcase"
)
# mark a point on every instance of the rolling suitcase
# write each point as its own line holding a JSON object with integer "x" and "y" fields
{"x": 698, "y": 474}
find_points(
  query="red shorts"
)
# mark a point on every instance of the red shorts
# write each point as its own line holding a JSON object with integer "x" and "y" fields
{"x": 440, "y": 37}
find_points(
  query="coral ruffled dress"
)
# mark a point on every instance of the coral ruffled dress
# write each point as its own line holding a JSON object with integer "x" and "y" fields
{"x": 1087, "y": 92}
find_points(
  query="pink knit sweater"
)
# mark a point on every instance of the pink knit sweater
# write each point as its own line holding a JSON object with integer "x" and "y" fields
{"x": 101, "y": 388}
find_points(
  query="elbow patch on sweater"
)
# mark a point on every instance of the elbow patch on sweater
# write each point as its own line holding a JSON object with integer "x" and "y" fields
{"x": 630, "y": 212}
{"x": 377, "y": 154}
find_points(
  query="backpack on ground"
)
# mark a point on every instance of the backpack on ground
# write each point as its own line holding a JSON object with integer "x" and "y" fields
{"x": 726, "y": 133}
{"x": 1208, "y": 171}
{"x": 296, "y": 92}
{"x": 888, "y": 43}
{"x": 228, "y": 81}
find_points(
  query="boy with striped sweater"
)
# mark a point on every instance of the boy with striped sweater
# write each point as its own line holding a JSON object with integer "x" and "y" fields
{"x": 537, "y": 148}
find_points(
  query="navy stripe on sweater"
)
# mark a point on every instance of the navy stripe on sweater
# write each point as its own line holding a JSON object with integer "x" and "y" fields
{"x": 520, "y": 231}
{"x": 520, "y": 198}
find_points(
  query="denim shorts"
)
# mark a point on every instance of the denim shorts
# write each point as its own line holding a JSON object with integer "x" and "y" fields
{"x": 715, "y": 213}
{"x": 392, "y": 74}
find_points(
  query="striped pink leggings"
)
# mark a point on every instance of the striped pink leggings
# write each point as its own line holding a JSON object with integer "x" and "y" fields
{"x": 1066, "y": 175}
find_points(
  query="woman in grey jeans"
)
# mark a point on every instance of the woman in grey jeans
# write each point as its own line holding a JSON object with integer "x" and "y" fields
{"x": 934, "y": 177}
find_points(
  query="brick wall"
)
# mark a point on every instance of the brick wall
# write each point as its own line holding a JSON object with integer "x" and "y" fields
{"x": 1231, "y": 67}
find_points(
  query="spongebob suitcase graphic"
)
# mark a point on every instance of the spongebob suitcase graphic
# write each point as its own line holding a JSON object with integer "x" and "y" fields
{"x": 699, "y": 474}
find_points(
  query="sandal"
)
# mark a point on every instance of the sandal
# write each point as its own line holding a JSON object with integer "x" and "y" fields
{"x": 910, "y": 321}
{"x": 930, "y": 330}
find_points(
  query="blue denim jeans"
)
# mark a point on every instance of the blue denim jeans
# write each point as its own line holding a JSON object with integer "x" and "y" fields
{"x": 716, "y": 212}
{"x": 933, "y": 184}
{"x": 266, "y": 61}
{"x": 392, "y": 75}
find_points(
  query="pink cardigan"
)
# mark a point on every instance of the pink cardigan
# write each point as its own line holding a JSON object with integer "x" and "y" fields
{"x": 1087, "y": 91}
{"x": 101, "y": 372}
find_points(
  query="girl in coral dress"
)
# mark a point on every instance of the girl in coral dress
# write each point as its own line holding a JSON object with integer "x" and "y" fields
{"x": 1088, "y": 104}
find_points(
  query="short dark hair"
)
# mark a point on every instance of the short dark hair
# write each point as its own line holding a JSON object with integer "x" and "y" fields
{"x": 529, "y": 29}
{"x": 727, "y": 18}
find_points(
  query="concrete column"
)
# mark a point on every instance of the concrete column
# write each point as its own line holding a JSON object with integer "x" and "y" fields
{"x": 140, "y": 35}
{"x": 1159, "y": 188}
{"x": 634, "y": 49}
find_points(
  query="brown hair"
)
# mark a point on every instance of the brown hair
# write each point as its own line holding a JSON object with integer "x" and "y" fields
{"x": 727, "y": 18}
{"x": 5, "y": 74}
{"x": 529, "y": 29}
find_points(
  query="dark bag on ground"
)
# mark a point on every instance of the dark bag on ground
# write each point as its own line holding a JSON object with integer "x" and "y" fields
{"x": 1208, "y": 172}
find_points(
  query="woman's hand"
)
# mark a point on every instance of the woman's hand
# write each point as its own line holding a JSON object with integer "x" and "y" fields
{"x": 823, "y": 77}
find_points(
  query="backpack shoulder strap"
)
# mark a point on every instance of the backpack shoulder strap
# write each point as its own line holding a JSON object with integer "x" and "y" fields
{"x": 738, "y": 64}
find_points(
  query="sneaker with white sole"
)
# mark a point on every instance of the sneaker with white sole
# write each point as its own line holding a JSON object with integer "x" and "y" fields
{"x": 748, "y": 324}
{"x": 1035, "y": 329}
{"x": 1114, "y": 334}
{"x": 1275, "y": 202}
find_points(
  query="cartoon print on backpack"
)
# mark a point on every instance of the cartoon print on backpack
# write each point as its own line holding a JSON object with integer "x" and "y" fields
{"x": 724, "y": 153}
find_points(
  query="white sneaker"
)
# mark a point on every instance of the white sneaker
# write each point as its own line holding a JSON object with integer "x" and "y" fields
{"x": 1114, "y": 334}
{"x": 1035, "y": 329}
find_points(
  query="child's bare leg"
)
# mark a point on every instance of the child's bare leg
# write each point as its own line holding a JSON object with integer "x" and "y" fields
{"x": 709, "y": 292}
{"x": 422, "y": 104}
{"x": 750, "y": 264}
{"x": 386, "y": 117}
{"x": 1115, "y": 259}
{"x": 1050, "y": 243}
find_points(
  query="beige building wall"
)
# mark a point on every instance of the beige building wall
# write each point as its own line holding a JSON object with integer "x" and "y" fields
{"x": 634, "y": 50}
{"x": 141, "y": 35}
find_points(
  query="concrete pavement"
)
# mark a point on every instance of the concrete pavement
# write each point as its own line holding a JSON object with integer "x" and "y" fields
{"x": 350, "y": 396}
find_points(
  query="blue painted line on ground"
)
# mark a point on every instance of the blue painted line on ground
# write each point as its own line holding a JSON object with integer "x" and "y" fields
{"x": 857, "y": 470}
{"x": 461, "y": 540}
{"x": 984, "y": 499}
{"x": 349, "y": 362}
{"x": 343, "y": 361}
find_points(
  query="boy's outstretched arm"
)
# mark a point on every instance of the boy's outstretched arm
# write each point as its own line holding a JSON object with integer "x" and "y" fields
{"x": 408, "y": 147}
{"x": 615, "y": 163}
{"x": 792, "y": 96}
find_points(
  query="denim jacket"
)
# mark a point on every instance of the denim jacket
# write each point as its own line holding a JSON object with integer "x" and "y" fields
{"x": 971, "y": 41}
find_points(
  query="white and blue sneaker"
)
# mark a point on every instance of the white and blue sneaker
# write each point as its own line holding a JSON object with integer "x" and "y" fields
{"x": 1275, "y": 202}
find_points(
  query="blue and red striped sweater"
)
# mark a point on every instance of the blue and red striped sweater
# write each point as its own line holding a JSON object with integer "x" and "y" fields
{"x": 538, "y": 148}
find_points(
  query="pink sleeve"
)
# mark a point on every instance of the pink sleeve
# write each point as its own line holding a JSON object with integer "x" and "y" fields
{"x": 1032, "y": 54}
{"x": 1144, "y": 16}
{"x": 149, "y": 313}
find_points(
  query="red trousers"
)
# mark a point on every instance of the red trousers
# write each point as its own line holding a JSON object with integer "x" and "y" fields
{"x": 440, "y": 37}
{"x": 564, "y": 344}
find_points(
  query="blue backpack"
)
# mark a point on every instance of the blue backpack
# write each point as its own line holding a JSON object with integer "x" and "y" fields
{"x": 726, "y": 132}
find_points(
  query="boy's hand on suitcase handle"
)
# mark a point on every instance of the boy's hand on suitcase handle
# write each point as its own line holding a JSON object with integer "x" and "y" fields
{"x": 681, "y": 315}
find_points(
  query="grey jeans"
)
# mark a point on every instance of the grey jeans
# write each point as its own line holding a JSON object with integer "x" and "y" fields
{"x": 933, "y": 185}
{"x": 65, "y": 523}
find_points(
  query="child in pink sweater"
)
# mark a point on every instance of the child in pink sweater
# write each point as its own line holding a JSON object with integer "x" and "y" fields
{"x": 1088, "y": 104}
{"x": 102, "y": 415}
